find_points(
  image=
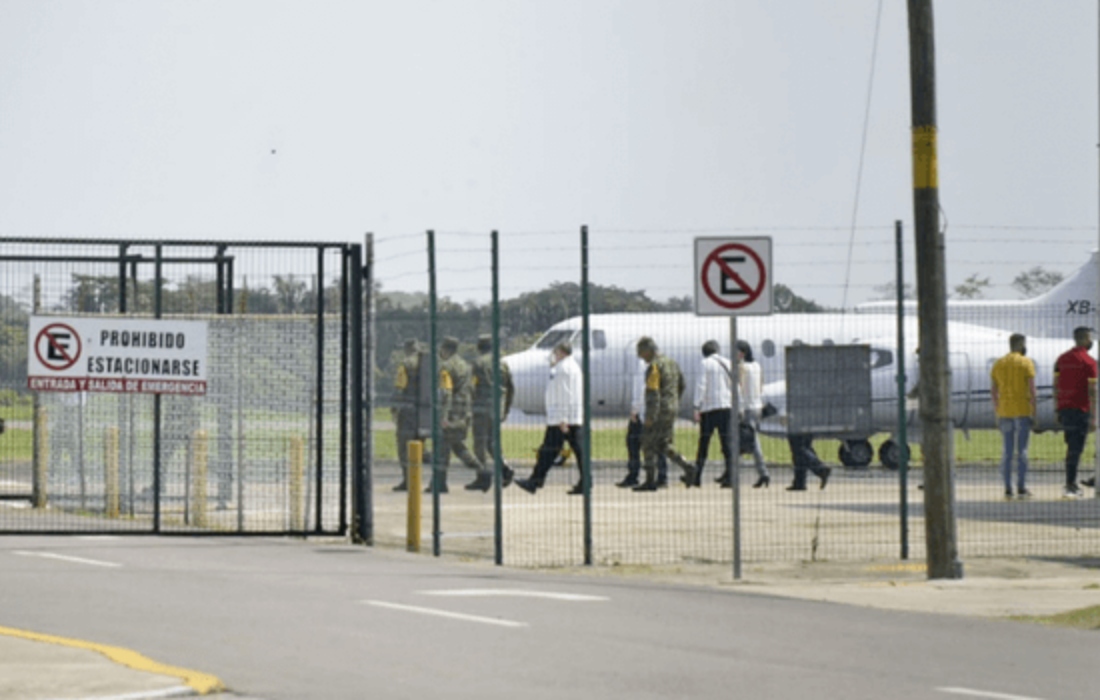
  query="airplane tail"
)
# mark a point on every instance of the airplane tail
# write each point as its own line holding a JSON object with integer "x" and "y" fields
{"x": 1076, "y": 295}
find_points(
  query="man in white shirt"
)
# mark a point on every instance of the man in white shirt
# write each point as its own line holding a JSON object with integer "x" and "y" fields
{"x": 713, "y": 403}
{"x": 564, "y": 418}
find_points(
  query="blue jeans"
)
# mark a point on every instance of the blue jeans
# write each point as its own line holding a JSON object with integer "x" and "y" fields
{"x": 1015, "y": 432}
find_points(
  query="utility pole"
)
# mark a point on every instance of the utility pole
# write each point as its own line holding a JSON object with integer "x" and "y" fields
{"x": 935, "y": 371}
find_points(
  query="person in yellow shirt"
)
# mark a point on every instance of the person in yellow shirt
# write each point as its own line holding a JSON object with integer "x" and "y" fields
{"x": 1013, "y": 393}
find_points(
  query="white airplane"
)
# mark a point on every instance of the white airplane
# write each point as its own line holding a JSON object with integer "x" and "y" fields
{"x": 972, "y": 354}
{"x": 1051, "y": 315}
{"x": 681, "y": 335}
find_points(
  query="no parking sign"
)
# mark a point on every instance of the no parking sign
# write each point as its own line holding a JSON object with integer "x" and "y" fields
{"x": 733, "y": 276}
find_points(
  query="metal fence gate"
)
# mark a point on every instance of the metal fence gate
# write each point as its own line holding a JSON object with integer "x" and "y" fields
{"x": 268, "y": 449}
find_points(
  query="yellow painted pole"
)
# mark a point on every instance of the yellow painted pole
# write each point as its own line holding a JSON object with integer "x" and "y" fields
{"x": 42, "y": 457}
{"x": 412, "y": 526}
{"x": 297, "y": 476}
{"x": 200, "y": 458}
{"x": 110, "y": 470}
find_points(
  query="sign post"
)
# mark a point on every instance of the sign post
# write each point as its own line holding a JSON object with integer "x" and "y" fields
{"x": 733, "y": 277}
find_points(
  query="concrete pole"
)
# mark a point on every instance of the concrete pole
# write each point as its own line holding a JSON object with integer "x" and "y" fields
{"x": 935, "y": 372}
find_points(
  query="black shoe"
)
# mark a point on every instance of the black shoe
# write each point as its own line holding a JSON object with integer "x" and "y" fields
{"x": 1090, "y": 482}
{"x": 1008, "y": 494}
{"x": 577, "y": 490}
{"x": 483, "y": 482}
{"x": 506, "y": 476}
{"x": 726, "y": 483}
{"x": 762, "y": 481}
{"x": 526, "y": 484}
{"x": 797, "y": 487}
{"x": 825, "y": 472}
{"x": 647, "y": 486}
{"x": 724, "y": 476}
{"x": 401, "y": 487}
{"x": 627, "y": 483}
{"x": 442, "y": 489}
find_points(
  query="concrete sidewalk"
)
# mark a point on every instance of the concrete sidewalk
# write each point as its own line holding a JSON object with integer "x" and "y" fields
{"x": 41, "y": 667}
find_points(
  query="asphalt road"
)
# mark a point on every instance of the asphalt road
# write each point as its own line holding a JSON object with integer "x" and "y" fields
{"x": 283, "y": 619}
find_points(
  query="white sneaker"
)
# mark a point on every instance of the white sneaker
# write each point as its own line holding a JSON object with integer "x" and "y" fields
{"x": 1071, "y": 493}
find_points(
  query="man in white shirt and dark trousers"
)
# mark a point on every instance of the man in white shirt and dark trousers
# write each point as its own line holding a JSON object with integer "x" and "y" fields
{"x": 713, "y": 403}
{"x": 564, "y": 418}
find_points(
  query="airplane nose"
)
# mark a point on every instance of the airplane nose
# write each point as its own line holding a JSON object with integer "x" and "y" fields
{"x": 529, "y": 374}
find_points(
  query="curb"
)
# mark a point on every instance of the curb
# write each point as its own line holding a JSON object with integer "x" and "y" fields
{"x": 193, "y": 682}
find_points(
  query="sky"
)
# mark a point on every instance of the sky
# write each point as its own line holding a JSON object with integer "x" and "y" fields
{"x": 652, "y": 122}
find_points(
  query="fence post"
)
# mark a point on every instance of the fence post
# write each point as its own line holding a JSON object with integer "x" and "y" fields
{"x": 110, "y": 471}
{"x": 200, "y": 459}
{"x": 412, "y": 526}
{"x": 297, "y": 476}
{"x": 41, "y": 456}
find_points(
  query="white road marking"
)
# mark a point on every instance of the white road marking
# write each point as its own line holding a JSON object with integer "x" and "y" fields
{"x": 517, "y": 593}
{"x": 445, "y": 613}
{"x": 62, "y": 557}
{"x": 98, "y": 538}
{"x": 985, "y": 694}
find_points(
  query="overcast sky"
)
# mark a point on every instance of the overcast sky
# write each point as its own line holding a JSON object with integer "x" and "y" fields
{"x": 325, "y": 120}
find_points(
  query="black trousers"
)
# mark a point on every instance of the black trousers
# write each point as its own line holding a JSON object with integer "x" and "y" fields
{"x": 804, "y": 458}
{"x": 1075, "y": 427}
{"x": 709, "y": 422}
{"x": 634, "y": 430}
{"x": 552, "y": 443}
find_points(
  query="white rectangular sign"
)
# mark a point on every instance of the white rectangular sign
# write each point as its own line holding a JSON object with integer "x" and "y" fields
{"x": 733, "y": 276}
{"x": 131, "y": 356}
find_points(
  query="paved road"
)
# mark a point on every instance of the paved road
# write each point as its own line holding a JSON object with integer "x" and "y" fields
{"x": 280, "y": 619}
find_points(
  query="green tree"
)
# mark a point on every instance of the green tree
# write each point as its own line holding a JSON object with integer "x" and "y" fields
{"x": 1036, "y": 281}
{"x": 787, "y": 302}
{"x": 973, "y": 287}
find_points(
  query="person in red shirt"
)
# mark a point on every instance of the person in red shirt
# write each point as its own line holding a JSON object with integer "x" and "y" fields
{"x": 1075, "y": 399}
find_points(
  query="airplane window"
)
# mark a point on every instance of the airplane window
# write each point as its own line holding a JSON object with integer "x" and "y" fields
{"x": 552, "y": 338}
{"x": 768, "y": 348}
{"x": 599, "y": 340}
{"x": 881, "y": 357}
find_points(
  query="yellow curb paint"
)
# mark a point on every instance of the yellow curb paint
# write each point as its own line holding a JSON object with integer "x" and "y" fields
{"x": 201, "y": 683}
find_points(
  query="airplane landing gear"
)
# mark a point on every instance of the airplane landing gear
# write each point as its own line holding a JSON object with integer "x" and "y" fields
{"x": 889, "y": 453}
{"x": 856, "y": 453}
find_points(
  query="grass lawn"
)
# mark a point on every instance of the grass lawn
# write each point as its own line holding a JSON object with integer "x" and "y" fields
{"x": 1080, "y": 619}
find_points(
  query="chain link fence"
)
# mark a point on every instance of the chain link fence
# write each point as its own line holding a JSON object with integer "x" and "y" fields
{"x": 264, "y": 450}
{"x": 638, "y": 284}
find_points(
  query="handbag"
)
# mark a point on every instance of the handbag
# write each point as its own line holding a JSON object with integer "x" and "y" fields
{"x": 746, "y": 437}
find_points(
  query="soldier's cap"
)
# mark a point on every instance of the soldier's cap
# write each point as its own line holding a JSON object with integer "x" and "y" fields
{"x": 484, "y": 342}
{"x": 645, "y": 343}
{"x": 449, "y": 343}
{"x": 412, "y": 345}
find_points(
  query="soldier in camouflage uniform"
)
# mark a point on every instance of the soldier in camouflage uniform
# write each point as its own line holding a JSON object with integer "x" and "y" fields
{"x": 482, "y": 370}
{"x": 664, "y": 385}
{"x": 454, "y": 411}
{"x": 406, "y": 391}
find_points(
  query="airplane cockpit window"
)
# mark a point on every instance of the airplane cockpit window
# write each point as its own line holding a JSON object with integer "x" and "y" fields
{"x": 552, "y": 338}
{"x": 767, "y": 348}
{"x": 599, "y": 340}
{"x": 881, "y": 357}
{"x": 828, "y": 342}
{"x": 796, "y": 342}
